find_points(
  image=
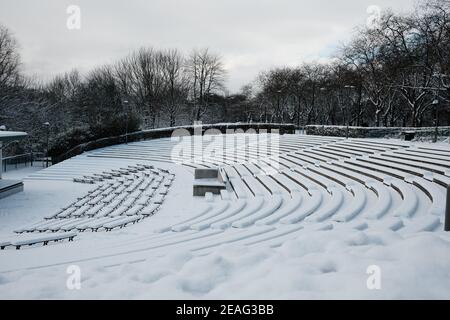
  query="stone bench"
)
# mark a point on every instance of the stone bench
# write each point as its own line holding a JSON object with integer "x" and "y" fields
{"x": 208, "y": 180}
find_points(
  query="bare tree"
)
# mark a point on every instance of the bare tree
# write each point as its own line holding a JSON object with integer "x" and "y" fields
{"x": 175, "y": 84}
{"x": 206, "y": 74}
{"x": 9, "y": 59}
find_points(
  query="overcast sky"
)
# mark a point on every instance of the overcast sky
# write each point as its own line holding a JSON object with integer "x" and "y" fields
{"x": 251, "y": 35}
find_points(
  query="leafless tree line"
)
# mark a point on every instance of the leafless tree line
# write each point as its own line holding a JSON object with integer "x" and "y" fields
{"x": 147, "y": 89}
{"x": 394, "y": 73}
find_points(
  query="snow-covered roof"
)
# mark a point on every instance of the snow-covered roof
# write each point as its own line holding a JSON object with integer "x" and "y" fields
{"x": 11, "y": 135}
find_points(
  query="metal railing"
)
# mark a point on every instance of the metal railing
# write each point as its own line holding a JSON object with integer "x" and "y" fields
{"x": 22, "y": 161}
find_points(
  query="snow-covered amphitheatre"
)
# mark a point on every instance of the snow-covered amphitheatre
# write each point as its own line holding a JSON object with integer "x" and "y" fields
{"x": 286, "y": 216}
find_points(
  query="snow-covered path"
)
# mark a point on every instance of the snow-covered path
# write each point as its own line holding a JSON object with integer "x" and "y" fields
{"x": 303, "y": 220}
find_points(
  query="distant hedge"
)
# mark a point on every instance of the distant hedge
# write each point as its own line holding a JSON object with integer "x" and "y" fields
{"x": 373, "y": 132}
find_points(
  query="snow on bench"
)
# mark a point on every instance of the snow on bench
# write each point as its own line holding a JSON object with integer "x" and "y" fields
{"x": 303, "y": 181}
{"x": 241, "y": 190}
{"x": 73, "y": 224}
{"x": 381, "y": 167}
{"x": 143, "y": 200}
{"x": 316, "y": 178}
{"x": 389, "y": 145}
{"x": 255, "y": 186}
{"x": 340, "y": 172}
{"x": 84, "y": 180}
{"x": 82, "y": 202}
{"x": 230, "y": 172}
{"x": 341, "y": 152}
{"x": 128, "y": 202}
{"x": 44, "y": 240}
{"x": 242, "y": 170}
{"x": 287, "y": 183}
{"x": 121, "y": 222}
{"x": 359, "y": 148}
{"x": 95, "y": 224}
{"x": 419, "y": 158}
{"x": 108, "y": 198}
{"x": 271, "y": 185}
{"x": 149, "y": 209}
{"x": 401, "y": 166}
{"x": 364, "y": 173}
{"x": 325, "y": 155}
{"x": 118, "y": 211}
{"x": 134, "y": 210}
{"x": 80, "y": 211}
{"x": 158, "y": 199}
{"x": 32, "y": 227}
{"x": 4, "y": 244}
{"x": 53, "y": 226}
{"x": 252, "y": 168}
{"x": 164, "y": 190}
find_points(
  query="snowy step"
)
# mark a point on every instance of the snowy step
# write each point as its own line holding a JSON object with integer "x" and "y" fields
{"x": 230, "y": 238}
{"x": 271, "y": 184}
{"x": 251, "y": 207}
{"x": 410, "y": 200}
{"x": 235, "y": 208}
{"x": 201, "y": 210}
{"x": 272, "y": 206}
{"x": 255, "y": 186}
{"x": 218, "y": 209}
{"x": 384, "y": 200}
{"x": 356, "y": 205}
{"x": 290, "y": 206}
{"x": 424, "y": 223}
{"x": 311, "y": 204}
{"x": 330, "y": 207}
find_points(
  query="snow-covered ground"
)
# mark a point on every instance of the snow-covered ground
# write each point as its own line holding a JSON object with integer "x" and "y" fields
{"x": 308, "y": 217}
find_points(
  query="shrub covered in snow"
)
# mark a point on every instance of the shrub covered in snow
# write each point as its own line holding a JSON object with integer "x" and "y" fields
{"x": 375, "y": 132}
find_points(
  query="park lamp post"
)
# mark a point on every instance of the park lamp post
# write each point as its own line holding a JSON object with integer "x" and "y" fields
{"x": 125, "y": 103}
{"x": 441, "y": 83}
{"x": 435, "y": 103}
{"x": 346, "y": 110}
{"x": 278, "y": 99}
{"x": 47, "y": 126}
